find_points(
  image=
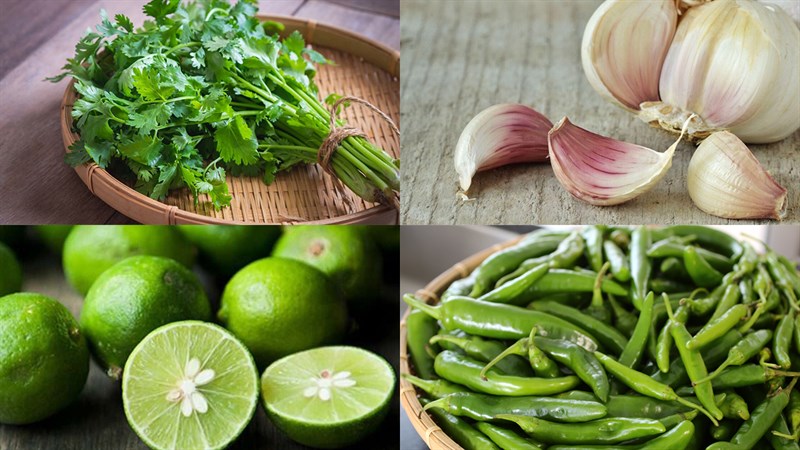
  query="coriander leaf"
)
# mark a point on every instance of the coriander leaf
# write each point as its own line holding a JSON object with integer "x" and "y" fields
{"x": 158, "y": 9}
{"x": 144, "y": 150}
{"x": 151, "y": 117}
{"x": 220, "y": 196}
{"x": 236, "y": 142}
{"x": 100, "y": 152}
{"x": 77, "y": 155}
{"x": 204, "y": 187}
{"x": 96, "y": 127}
{"x": 124, "y": 22}
{"x": 294, "y": 43}
{"x": 165, "y": 177}
{"x": 316, "y": 56}
{"x": 216, "y": 44}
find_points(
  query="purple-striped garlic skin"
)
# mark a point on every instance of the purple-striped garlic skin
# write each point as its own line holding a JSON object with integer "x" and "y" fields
{"x": 500, "y": 135}
{"x": 603, "y": 171}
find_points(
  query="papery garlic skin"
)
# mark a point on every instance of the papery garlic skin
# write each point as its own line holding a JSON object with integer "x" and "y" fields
{"x": 624, "y": 46}
{"x": 736, "y": 64}
{"x": 726, "y": 180}
{"x": 603, "y": 171}
{"x": 500, "y": 135}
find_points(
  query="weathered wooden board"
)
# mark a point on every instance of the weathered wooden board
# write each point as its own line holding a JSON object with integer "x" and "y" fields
{"x": 461, "y": 57}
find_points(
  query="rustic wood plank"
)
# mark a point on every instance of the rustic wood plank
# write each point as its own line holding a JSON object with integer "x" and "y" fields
{"x": 38, "y": 187}
{"x": 97, "y": 419}
{"x": 458, "y": 61}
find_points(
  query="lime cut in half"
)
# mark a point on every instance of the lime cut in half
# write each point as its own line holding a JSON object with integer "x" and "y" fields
{"x": 189, "y": 385}
{"x": 328, "y": 397}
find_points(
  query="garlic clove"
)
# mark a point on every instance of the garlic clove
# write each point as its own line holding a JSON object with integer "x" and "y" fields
{"x": 734, "y": 63}
{"x": 726, "y": 180}
{"x": 624, "y": 46}
{"x": 603, "y": 171}
{"x": 500, "y": 135}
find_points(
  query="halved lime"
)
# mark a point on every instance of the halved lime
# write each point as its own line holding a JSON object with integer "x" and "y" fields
{"x": 328, "y": 397}
{"x": 189, "y": 385}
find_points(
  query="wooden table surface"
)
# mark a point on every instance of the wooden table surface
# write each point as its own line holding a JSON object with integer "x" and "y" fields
{"x": 97, "y": 420}
{"x": 38, "y": 35}
{"x": 461, "y": 57}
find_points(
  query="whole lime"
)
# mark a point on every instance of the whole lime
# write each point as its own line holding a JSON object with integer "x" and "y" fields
{"x": 44, "y": 360}
{"x": 53, "y": 236}
{"x": 280, "y": 306}
{"x": 344, "y": 253}
{"x": 10, "y": 271}
{"x": 91, "y": 249}
{"x": 133, "y": 298}
{"x": 224, "y": 249}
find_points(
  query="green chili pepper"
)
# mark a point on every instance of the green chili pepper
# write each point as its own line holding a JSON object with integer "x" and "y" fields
{"x": 782, "y": 278}
{"x": 724, "y": 431}
{"x": 568, "y": 251}
{"x": 562, "y": 280}
{"x": 633, "y": 351}
{"x": 792, "y": 271}
{"x": 600, "y": 431}
{"x": 499, "y": 321}
{"x": 420, "y": 327}
{"x": 678, "y": 438}
{"x": 640, "y": 264}
{"x": 486, "y": 350}
{"x": 593, "y": 237}
{"x": 641, "y": 406}
{"x": 512, "y": 292}
{"x": 660, "y": 285}
{"x": 797, "y": 334}
{"x": 487, "y": 407}
{"x": 716, "y": 328}
{"x": 625, "y": 320}
{"x": 542, "y": 365}
{"x": 460, "y": 431}
{"x": 733, "y": 406}
{"x": 762, "y": 282}
{"x": 674, "y": 419}
{"x": 608, "y": 336}
{"x": 746, "y": 291}
{"x": 760, "y": 421}
{"x": 672, "y": 267}
{"x": 664, "y": 341}
{"x": 747, "y": 375}
{"x": 535, "y": 244}
{"x": 730, "y": 297}
{"x": 582, "y": 362}
{"x": 459, "y": 288}
{"x": 701, "y": 272}
{"x": 644, "y": 384}
{"x": 620, "y": 268}
{"x": 782, "y": 341}
{"x": 740, "y": 353}
{"x": 597, "y": 307}
{"x": 702, "y": 306}
{"x": 674, "y": 247}
{"x": 709, "y": 238}
{"x": 507, "y": 439}
{"x": 466, "y": 371}
{"x": 621, "y": 237}
{"x": 694, "y": 364}
{"x": 793, "y": 413}
{"x": 434, "y": 388}
{"x": 779, "y": 436}
{"x": 713, "y": 356}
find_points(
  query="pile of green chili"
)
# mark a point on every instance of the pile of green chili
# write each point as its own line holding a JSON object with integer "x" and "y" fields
{"x": 673, "y": 338}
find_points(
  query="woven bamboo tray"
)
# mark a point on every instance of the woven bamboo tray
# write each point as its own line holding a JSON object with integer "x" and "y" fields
{"x": 433, "y": 436}
{"x": 363, "y": 68}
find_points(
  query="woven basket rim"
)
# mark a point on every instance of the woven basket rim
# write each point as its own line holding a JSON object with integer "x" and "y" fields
{"x": 432, "y": 434}
{"x": 143, "y": 206}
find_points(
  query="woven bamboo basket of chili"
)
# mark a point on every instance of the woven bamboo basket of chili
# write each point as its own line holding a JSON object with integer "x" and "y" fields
{"x": 428, "y": 430}
{"x": 306, "y": 194}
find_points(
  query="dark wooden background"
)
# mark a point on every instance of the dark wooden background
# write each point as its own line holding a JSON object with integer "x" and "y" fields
{"x": 37, "y": 36}
{"x": 97, "y": 419}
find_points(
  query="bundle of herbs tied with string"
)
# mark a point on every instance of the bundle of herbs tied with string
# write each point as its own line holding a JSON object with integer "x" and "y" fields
{"x": 204, "y": 89}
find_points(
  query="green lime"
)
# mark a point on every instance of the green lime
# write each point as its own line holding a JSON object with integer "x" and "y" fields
{"x": 189, "y": 385}
{"x": 280, "y": 306}
{"x": 54, "y": 236}
{"x": 133, "y": 298}
{"x": 328, "y": 397}
{"x": 44, "y": 360}
{"x": 11, "y": 273}
{"x": 343, "y": 253}
{"x": 224, "y": 249}
{"x": 91, "y": 249}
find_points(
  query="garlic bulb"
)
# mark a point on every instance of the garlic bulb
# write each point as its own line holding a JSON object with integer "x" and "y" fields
{"x": 603, "y": 171}
{"x": 733, "y": 63}
{"x": 726, "y": 180}
{"x": 624, "y": 45}
{"x": 500, "y": 135}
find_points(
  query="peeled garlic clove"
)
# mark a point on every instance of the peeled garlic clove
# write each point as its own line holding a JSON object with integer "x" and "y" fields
{"x": 624, "y": 46}
{"x": 500, "y": 135}
{"x": 736, "y": 64}
{"x": 603, "y": 171}
{"x": 726, "y": 180}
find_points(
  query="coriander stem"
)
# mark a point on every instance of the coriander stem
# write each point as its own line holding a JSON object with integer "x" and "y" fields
{"x": 180, "y": 46}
